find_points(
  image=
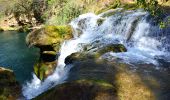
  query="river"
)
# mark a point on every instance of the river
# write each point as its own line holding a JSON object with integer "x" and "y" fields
{"x": 147, "y": 49}
{"x": 15, "y": 55}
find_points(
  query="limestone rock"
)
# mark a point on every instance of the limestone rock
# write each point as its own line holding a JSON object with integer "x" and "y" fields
{"x": 48, "y": 40}
{"x": 9, "y": 87}
{"x": 43, "y": 69}
{"x": 80, "y": 90}
{"x": 49, "y": 35}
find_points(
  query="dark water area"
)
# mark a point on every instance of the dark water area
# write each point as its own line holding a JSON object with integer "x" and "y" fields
{"x": 15, "y": 55}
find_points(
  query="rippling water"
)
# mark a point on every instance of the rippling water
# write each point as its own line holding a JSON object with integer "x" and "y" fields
{"x": 15, "y": 55}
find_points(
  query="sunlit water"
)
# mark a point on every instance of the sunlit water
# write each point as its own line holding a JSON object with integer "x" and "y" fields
{"x": 15, "y": 55}
{"x": 146, "y": 43}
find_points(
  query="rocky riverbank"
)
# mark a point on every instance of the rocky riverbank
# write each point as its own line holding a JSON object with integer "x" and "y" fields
{"x": 10, "y": 89}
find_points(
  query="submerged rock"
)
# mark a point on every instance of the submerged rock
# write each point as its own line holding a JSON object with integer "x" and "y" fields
{"x": 9, "y": 87}
{"x": 81, "y": 90}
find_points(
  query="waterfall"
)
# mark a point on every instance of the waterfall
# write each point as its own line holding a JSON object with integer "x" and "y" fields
{"x": 143, "y": 39}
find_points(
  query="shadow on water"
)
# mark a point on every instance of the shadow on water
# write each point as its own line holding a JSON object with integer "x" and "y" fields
{"x": 14, "y": 54}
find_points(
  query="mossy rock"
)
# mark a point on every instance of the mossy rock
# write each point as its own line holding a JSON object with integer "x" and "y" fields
{"x": 49, "y": 35}
{"x": 9, "y": 87}
{"x": 43, "y": 69}
{"x": 81, "y": 56}
{"x": 112, "y": 48}
{"x": 49, "y": 38}
{"x": 78, "y": 56}
{"x": 80, "y": 90}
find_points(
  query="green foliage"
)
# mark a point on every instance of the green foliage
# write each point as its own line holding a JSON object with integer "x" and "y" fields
{"x": 151, "y": 6}
{"x": 164, "y": 24}
{"x": 66, "y": 11}
{"x": 22, "y": 7}
{"x": 51, "y": 2}
{"x": 154, "y": 8}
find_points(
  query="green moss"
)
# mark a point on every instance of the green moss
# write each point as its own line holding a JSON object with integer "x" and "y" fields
{"x": 58, "y": 31}
{"x": 36, "y": 69}
{"x": 49, "y": 35}
{"x": 43, "y": 69}
{"x": 57, "y": 34}
{"x": 41, "y": 75}
{"x": 39, "y": 70}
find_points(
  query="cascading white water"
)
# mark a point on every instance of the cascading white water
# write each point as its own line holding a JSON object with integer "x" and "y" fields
{"x": 130, "y": 28}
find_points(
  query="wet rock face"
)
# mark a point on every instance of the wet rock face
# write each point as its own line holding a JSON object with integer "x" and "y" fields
{"x": 48, "y": 40}
{"x": 81, "y": 90}
{"x": 9, "y": 87}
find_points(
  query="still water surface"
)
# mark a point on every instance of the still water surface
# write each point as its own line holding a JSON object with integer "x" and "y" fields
{"x": 15, "y": 55}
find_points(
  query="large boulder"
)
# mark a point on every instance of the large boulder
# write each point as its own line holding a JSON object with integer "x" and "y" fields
{"x": 9, "y": 87}
{"x": 49, "y": 35}
{"x": 81, "y": 90}
{"x": 48, "y": 39}
{"x": 125, "y": 83}
{"x": 97, "y": 79}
